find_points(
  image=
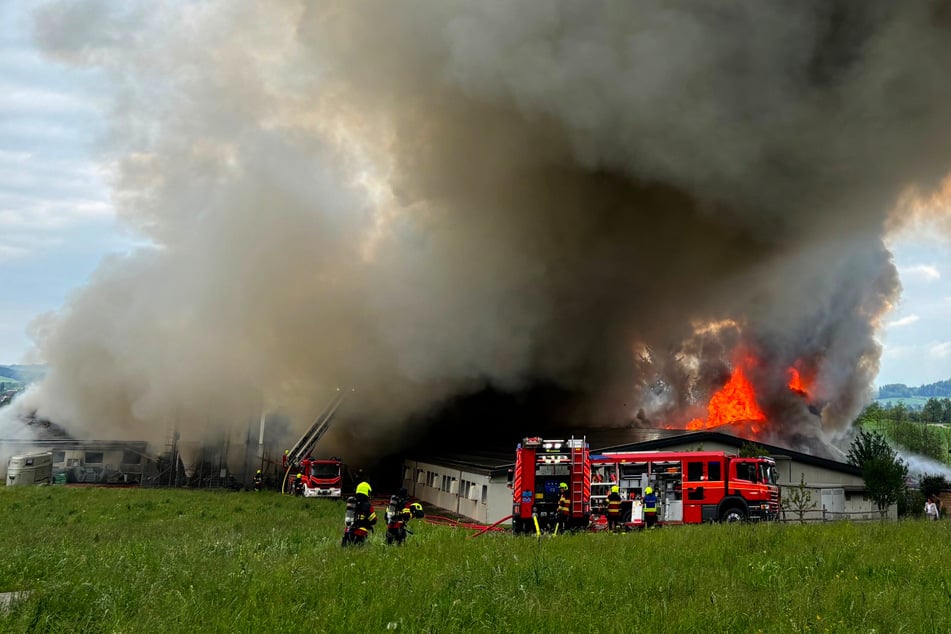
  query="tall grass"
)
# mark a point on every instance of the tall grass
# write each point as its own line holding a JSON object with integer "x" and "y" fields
{"x": 127, "y": 560}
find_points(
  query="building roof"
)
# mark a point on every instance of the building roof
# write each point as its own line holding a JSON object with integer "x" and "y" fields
{"x": 497, "y": 460}
{"x": 700, "y": 437}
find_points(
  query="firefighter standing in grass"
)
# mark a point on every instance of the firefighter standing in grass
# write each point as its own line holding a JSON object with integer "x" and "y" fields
{"x": 299, "y": 485}
{"x": 360, "y": 517}
{"x": 650, "y": 507}
{"x": 258, "y": 480}
{"x": 614, "y": 508}
{"x": 564, "y": 507}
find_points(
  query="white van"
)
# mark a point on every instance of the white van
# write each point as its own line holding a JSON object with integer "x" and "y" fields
{"x": 33, "y": 468}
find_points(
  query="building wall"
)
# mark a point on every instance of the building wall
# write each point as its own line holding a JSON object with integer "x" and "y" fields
{"x": 85, "y": 461}
{"x": 473, "y": 495}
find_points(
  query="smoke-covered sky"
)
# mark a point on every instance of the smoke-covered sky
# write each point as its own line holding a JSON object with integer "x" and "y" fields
{"x": 420, "y": 199}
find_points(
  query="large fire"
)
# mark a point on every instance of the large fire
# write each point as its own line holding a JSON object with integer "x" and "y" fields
{"x": 734, "y": 402}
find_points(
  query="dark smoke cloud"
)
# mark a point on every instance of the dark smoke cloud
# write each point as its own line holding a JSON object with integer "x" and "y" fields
{"x": 418, "y": 199}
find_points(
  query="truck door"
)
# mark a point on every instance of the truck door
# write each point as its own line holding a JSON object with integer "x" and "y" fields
{"x": 703, "y": 489}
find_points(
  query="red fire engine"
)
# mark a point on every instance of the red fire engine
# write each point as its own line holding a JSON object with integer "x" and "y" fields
{"x": 691, "y": 486}
{"x": 323, "y": 478}
{"x": 320, "y": 478}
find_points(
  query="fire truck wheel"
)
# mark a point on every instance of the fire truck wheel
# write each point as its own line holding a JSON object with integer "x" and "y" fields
{"x": 733, "y": 514}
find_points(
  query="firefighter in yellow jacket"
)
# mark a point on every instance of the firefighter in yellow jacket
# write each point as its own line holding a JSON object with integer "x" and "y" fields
{"x": 650, "y": 507}
{"x": 564, "y": 507}
{"x": 614, "y": 508}
{"x": 360, "y": 516}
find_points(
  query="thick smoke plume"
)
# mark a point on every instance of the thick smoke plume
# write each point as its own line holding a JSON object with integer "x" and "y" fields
{"x": 421, "y": 199}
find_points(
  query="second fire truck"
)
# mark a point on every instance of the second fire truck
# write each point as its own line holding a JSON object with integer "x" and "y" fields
{"x": 691, "y": 486}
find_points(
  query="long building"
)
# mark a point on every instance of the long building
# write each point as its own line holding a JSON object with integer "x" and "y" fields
{"x": 475, "y": 484}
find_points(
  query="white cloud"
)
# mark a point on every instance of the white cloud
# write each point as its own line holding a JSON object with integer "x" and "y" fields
{"x": 920, "y": 272}
{"x": 904, "y": 321}
{"x": 10, "y": 252}
{"x": 940, "y": 350}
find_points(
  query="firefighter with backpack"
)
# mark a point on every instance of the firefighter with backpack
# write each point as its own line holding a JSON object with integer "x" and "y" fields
{"x": 614, "y": 508}
{"x": 398, "y": 514}
{"x": 360, "y": 516}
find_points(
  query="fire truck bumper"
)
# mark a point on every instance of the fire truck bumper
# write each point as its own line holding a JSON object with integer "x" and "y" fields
{"x": 763, "y": 512}
{"x": 321, "y": 493}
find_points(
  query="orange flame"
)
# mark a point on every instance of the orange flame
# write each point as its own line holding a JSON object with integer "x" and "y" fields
{"x": 734, "y": 402}
{"x": 796, "y": 383}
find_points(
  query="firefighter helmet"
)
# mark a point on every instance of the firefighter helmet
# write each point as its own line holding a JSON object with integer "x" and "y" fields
{"x": 563, "y": 485}
{"x": 648, "y": 490}
{"x": 259, "y": 471}
{"x": 416, "y": 509}
{"x": 364, "y": 488}
{"x": 615, "y": 489}
{"x": 298, "y": 476}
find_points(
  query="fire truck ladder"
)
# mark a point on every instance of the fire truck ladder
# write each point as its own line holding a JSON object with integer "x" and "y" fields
{"x": 312, "y": 436}
{"x": 580, "y": 477}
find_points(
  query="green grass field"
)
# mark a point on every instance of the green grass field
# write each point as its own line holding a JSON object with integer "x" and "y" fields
{"x": 160, "y": 561}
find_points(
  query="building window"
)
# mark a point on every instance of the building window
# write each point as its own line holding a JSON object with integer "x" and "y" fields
{"x": 131, "y": 457}
{"x": 485, "y": 493}
{"x": 446, "y": 480}
{"x": 59, "y": 456}
{"x": 93, "y": 457}
{"x": 431, "y": 479}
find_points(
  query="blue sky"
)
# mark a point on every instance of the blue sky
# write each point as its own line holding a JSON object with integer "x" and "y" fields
{"x": 57, "y": 221}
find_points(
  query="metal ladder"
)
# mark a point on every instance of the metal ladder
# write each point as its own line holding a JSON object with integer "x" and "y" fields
{"x": 580, "y": 478}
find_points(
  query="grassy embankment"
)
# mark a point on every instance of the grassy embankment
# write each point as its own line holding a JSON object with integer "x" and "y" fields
{"x": 127, "y": 560}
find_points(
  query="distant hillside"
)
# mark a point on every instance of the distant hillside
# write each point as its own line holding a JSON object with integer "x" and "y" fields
{"x": 941, "y": 389}
{"x": 25, "y": 374}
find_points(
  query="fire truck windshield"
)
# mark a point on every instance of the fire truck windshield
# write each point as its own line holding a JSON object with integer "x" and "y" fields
{"x": 767, "y": 473}
{"x": 324, "y": 470}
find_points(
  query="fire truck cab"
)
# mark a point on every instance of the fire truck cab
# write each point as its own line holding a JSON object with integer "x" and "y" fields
{"x": 323, "y": 478}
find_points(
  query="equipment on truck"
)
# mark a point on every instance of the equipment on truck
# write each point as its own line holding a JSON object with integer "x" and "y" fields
{"x": 683, "y": 487}
{"x": 320, "y": 477}
{"x": 541, "y": 468}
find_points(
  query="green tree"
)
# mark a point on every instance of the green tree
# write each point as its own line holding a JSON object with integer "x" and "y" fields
{"x": 799, "y": 500}
{"x": 883, "y": 472}
{"x": 868, "y": 445}
{"x": 752, "y": 450}
{"x": 885, "y": 481}
{"x": 931, "y": 412}
{"x": 931, "y": 485}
